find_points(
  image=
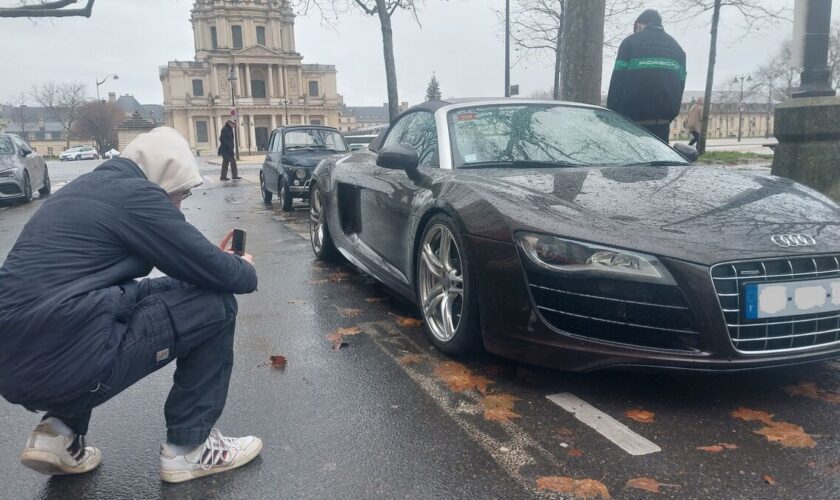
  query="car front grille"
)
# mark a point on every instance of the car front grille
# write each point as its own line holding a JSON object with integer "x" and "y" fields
{"x": 782, "y": 334}
{"x": 626, "y": 312}
{"x": 9, "y": 189}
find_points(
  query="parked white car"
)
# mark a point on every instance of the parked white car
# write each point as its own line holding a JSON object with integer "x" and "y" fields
{"x": 112, "y": 154}
{"x": 79, "y": 153}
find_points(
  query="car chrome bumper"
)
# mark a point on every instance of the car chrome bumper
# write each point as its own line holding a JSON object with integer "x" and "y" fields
{"x": 302, "y": 189}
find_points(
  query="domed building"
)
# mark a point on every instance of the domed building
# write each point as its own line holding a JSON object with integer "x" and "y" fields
{"x": 246, "y": 47}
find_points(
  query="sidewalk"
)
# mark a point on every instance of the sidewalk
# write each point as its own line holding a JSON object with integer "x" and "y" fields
{"x": 747, "y": 145}
{"x": 244, "y": 159}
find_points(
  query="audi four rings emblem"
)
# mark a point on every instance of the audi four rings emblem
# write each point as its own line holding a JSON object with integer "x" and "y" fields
{"x": 793, "y": 240}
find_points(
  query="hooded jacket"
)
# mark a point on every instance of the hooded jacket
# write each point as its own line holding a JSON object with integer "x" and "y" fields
{"x": 226, "y": 141}
{"x": 649, "y": 77}
{"x": 68, "y": 289}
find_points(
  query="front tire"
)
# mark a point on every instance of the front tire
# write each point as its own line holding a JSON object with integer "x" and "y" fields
{"x": 319, "y": 234}
{"x": 47, "y": 188}
{"x": 266, "y": 194}
{"x": 285, "y": 195}
{"x": 446, "y": 289}
{"x": 27, "y": 188}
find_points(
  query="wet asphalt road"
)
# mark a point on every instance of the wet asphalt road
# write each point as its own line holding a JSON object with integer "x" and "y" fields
{"x": 377, "y": 418}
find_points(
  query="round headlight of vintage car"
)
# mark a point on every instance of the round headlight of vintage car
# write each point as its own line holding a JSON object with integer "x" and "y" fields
{"x": 300, "y": 173}
{"x": 568, "y": 256}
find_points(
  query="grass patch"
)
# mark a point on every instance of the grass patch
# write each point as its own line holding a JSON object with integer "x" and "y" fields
{"x": 733, "y": 158}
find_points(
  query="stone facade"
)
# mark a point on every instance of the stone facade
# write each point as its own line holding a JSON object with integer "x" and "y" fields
{"x": 255, "y": 42}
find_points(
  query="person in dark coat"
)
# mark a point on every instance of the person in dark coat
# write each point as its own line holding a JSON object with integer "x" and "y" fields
{"x": 227, "y": 150}
{"x": 77, "y": 326}
{"x": 649, "y": 76}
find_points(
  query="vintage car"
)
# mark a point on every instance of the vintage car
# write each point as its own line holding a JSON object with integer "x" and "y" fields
{"x": 566, "y": 235}
{"x": 293, "y": 153}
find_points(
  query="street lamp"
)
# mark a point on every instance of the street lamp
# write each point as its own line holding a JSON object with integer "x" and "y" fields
{"x": 99, "y": 108}
{"x": 232, "y": 79}
{"x": 742, "y": 78}
{"x": 285, "y": 102}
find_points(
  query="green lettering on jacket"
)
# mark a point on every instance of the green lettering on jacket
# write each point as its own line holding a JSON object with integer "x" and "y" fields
{"x": 651, "y": 63}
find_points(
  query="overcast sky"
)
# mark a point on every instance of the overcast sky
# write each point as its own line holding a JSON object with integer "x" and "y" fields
{"x": 460, "y": 40}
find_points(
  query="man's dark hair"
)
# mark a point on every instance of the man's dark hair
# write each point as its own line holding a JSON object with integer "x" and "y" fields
{"x": 650, "y": 17}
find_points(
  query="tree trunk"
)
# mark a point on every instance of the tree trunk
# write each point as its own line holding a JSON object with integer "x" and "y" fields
{"x": 582, "y": 51}
{"x": 710, "y": 79}
{"x": 390, "y": 66}
{"x": 558, "y": 60}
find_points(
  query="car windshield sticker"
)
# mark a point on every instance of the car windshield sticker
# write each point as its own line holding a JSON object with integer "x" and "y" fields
{"x": 467, "y": 116}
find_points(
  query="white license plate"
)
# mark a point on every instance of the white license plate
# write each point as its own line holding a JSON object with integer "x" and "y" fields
{"x": 795, "y": 298}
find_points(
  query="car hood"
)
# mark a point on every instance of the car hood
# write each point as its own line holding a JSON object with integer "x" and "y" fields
{"x": 9, "y": 161}
{"x": 305, "y": 158}
{"x": 699, "y": 214}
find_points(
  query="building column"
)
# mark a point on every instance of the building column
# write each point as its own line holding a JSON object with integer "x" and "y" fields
{"x": 252, "y": 130}
{"x": 191, "y": 126}
{"x": 248, "y": 80}
{"x": 284, "y": 89}
{"x": 238, "y": 82}
{"x": 213, "y": 88}
{"x": 273, "y": 123}
{"x": 270, "y": 81}
{"x": 219, "y": 124}
{"x": 300, "y": 81}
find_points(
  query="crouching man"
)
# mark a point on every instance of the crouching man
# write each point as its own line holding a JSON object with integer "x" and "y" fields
{"x": 77, "y": 328}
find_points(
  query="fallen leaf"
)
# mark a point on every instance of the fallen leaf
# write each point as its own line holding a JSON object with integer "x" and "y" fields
{"x": 338, "y": 276}
{"x": 499, "y": 407}
{"x": 641, "y": 416}
{"x": 407, "y": 322}
{"x": 318, "y": 282}
{"x": 278, "y": 362}
{"x": 410, "y": 359}
{"x": 575, "y": 453}
{"x": 581, "y": 488}
{"x": 348, "y": 312}
{"x": 646, "y": 484}
{"x": 337, "y": 337}
{"x": 717, "y": 448}
{"x": 372, "y": 300}
{"x": 460, "y": 378}
{"x": 770, "y": 480}
{"x": 786, "y": 434}
{"x": 812, "y": 391}
{"x": 565, "y": 432}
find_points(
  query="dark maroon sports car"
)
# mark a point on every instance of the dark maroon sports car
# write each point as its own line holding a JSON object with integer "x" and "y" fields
{"x": 565, "y": 235}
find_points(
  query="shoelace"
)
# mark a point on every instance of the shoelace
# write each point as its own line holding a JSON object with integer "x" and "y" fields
{"x": 77, "y": 448}
{"x": 215, "y": 449}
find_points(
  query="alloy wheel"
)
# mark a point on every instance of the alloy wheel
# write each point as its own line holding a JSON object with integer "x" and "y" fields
{"x": 441, "y": 282}
{"x": 316, "y": 220}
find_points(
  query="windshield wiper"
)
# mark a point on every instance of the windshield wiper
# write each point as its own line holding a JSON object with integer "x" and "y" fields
{"x": 658, "y": 163}
{"x": 521, "y": 164}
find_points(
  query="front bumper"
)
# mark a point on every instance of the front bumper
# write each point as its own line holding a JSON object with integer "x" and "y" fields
{"x": 10, "y": 188}
{"x": 682, "y": 328}
{"x": 302, "y": 188}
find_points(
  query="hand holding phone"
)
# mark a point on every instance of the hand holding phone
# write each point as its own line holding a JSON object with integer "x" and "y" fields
{"x": 238, "y": 244}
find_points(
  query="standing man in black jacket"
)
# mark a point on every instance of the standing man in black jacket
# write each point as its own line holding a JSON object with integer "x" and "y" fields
{"x": 77, "y": 327}
{"x": 226, "y": 150}
{"x": 649, "y": 76}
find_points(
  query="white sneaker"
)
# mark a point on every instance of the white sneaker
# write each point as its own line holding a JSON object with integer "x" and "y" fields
{"x": 50, "y": 452}
{"x": 217, "y": 454}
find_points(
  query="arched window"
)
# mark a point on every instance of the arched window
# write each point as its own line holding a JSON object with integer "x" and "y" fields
{"x": 261, "y": 35}
{"x": 236, "y": 35}
{"x": 258, "y": 84}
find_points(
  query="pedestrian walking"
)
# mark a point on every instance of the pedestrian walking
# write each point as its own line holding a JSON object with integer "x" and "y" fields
{"x": 694, "y": 123}
{"x": 649, "y": 76}
{"x": 227, "y": 150}
{"x": 78, "y": 328}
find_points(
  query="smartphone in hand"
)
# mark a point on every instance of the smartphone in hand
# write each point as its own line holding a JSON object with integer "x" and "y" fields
{"x": 238, "y": 243}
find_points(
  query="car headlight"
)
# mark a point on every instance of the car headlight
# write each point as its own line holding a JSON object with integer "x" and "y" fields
{"x": 11, "y": 172}
{"x": 568, "y": 256}
{"x": 300, "y": 173}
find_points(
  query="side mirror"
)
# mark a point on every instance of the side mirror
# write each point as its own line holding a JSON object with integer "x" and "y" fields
{"x": 398, "y": 157}
{"x": 688, "y": 152}
{"x": 25, "y": 153}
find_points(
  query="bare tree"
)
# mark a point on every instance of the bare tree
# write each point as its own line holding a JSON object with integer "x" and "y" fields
{"x": 754, "y": 15}
{"x": 582, "y": 50}
{"x": 537, "y": 28}
{"x": 99, "y": 121}
{"x": 19, "y": 111}
{"x": 63, "y": 101}
{"x": 834, "y": 55}
{"x": 46, "y": 8}
{"x": 384, "y": 10}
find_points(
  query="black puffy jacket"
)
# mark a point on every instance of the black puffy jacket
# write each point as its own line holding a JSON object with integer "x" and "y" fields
{"x": 68, "y": 285}
{"x": 649, "y": 77}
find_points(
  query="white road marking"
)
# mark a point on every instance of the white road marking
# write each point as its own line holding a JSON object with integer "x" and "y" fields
{"x": 605, "y": 425}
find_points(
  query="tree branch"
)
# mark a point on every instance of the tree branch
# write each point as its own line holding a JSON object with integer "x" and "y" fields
{"x": 48, "y": 9}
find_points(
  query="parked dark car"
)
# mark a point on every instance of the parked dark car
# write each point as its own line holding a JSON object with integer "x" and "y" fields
{"x": 565, "y": 235}
{"x": 21, "y": 170}
{"x": 293, "y": 153}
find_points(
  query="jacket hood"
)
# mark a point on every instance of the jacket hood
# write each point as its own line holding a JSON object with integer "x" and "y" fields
{"x": 166, "y": 159}
{"x": 698, "y": 214}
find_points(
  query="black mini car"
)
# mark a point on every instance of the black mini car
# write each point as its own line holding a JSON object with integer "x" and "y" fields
{"x": 293, "y": 154}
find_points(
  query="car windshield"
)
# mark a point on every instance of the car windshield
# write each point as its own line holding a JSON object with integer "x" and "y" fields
{"x": 545, "y": 135}
{"x": 6, "y": 147}
{"x": 315, "y": 139}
